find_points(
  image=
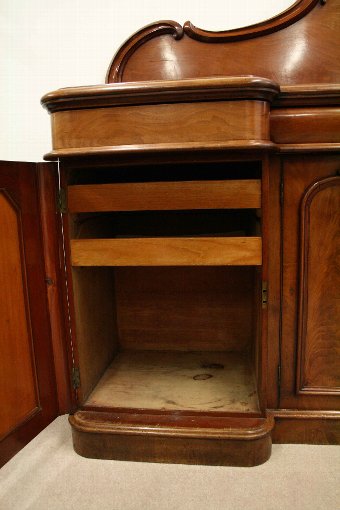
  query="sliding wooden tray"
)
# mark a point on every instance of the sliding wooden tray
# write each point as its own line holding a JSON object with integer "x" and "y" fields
{"x": 161, "y": 196}
{"x": 167, "y": 251}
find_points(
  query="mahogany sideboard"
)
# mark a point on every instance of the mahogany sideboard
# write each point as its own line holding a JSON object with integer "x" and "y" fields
{"x": 190, "y": 265}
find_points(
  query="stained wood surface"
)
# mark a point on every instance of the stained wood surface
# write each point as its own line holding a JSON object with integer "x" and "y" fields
{"x": 95, "y": 321}
{"x": 301, "y": 53}
{"x": 51, "y": 235}
{"x": 301, "y": 125}
{"x": 185, "y": 308}
{"x": 306, "y": 427}
{"x": 28, "y": 400}
{"x": 299, "y": 175}
{"x": 319, "y": 329}
{"x": 233, "y": 194}
{"x": 162, "y": 91}
{"x": 177, "y": 123}
{"x": 171, "y": 380}
{"x": 167, "y": 251}
{"x": 157, "y": 438}
{"x": 19, "y": 397}
{"x": 274, "y": 282}
{"x": 168, "y": 152}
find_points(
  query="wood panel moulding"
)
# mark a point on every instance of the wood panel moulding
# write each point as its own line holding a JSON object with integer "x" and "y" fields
{"x": 318, "y": 333}
{"x": 18, "y": 375}
{"x": 300, "y": 126}
{"x": 157, "y": 438}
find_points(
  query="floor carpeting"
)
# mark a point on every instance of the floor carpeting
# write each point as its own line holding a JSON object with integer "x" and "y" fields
{"x": 48, "y": 475}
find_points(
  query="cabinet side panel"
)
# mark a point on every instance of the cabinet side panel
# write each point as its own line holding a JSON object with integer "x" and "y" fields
{"x": 95, "y": 323}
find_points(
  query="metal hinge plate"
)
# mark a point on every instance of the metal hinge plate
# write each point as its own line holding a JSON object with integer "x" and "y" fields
{"x": 62, "y": 201}
{"x": 264, "y": 294}
{"x": 75, "y": 378}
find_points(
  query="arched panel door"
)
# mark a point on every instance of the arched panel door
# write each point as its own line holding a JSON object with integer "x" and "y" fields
{"x": 28, "y": 399}
{"x": 311, "y": 284}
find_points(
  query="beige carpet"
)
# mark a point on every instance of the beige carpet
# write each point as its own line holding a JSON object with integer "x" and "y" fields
{"x": 48, "y": 475}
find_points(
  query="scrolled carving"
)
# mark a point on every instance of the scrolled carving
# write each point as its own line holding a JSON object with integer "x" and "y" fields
{"x": 116, "y": 68}
{"x": 282, "y": 20}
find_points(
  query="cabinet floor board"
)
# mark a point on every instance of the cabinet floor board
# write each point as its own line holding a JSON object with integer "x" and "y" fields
{"x": 165, "y": 380}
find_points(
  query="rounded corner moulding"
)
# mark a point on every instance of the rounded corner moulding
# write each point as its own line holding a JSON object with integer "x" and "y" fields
{"x": 129, "y": 152}
{"x": 228, "y": 88}
{"x": 111, "y": 423}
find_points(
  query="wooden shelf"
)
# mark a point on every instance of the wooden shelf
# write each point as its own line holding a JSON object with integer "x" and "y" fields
{"x": 169, "y": 380}
{"x": 167, "y": 251}
{"x": 144, "y": 196}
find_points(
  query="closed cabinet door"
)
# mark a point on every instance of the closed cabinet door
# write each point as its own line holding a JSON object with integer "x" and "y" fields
{"x": 310, "y": 348}
{"x": 27, "y": 381}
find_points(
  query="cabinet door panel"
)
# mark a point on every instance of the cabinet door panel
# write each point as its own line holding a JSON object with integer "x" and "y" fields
{"x": 310, "y": 369}
{"x": 27, "y": 381}
{"x": 319, "y": 299}
{"x": 17, "y": 375}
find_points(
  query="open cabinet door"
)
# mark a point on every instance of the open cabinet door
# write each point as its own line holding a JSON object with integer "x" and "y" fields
{"x": 28, "y": 397}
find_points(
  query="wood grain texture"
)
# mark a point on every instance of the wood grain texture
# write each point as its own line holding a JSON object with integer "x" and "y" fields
{"x": 167, "y": 251}
{"x": 164, "y": 380}
{"x": 28, "y": 400}
{"x": 274, "y": 282}
{"x": 228, "y": 441}
{"x": 95, "y": 324}
{"x": 222, "y": 88}
{"x": 121, "y": 59}
{"x": 185, "y": 308}
{"x": 305, "y": 126}
{"x": 176, "y": 123}
{"x": 318, "y": 369}
{"x": 52, "y": 244}
{"x": 302, "y": 53}
{"x": 306, "y": 427}
{"x": 233, "y": 194}
{"x": 155, "y": 153}
{"x": 18, "y": 376}
{"x": 289, "y": 16}
{"x": 299, "y": 174}
{"x": 308, "y": 94}
{"x": 154, "y": 29}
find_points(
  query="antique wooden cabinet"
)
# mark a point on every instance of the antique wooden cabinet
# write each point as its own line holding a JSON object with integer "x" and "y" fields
{"x": 193, "y": 268}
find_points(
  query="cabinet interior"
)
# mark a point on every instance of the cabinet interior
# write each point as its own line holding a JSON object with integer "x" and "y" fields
{"x": 167, "y": 337}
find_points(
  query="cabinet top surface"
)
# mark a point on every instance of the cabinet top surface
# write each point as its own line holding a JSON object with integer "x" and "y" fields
{"x": 160, "y": 91}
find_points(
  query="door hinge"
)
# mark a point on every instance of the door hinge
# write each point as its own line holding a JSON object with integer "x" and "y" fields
{"x": 75, "y": 378}
{"x": 62, "y": 201}
{"x": 264, "y": 293}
